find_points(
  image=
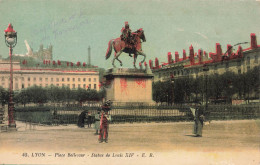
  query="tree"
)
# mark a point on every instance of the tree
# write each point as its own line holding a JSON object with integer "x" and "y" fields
{"x": 4, "y": 96}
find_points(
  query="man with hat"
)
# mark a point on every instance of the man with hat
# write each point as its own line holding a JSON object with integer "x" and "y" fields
{"x": 198, "y": 120}
{"x": 126, "y": 33}
{"x": 97, "y": 121}
{"x": 104, "y": 122}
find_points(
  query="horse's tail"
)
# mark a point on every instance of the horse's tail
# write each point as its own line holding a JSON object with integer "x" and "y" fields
{"x": 109, "y": 49}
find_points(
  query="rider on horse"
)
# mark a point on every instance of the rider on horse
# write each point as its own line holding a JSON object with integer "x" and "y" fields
{"x": 126, "y": 34}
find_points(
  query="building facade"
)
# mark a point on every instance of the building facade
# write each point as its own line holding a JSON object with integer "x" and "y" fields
{"x": 217, "y": 63}
{"x": 24, "y": 77}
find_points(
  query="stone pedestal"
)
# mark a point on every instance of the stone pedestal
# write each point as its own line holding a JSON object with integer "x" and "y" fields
{"x": 124, "y": 85}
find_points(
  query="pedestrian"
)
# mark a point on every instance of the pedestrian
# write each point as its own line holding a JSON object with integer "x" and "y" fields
{"x": 104, "y": 122}
{"x": 81, "y": 119}
{"x": 89, "y": 120}
{"x": 97, "y": 121}
{"x": 198, "y": 120}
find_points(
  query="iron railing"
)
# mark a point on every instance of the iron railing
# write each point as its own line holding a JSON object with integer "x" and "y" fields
{"x": 134, "y": 113}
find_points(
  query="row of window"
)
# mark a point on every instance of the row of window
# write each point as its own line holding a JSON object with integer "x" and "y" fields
{"x": 57, "y": 79}
{"x": 73, "y": 86}
{"x": 187, "y": 72}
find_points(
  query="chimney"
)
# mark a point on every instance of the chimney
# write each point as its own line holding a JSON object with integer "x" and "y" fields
{"x": 140, "y": 65}
{"x": 145, "y": 65}
{"x": 169, "y": 57}
{"x": 151, "y": 64}
{"x": 176, "y": 57}
{"x": 218, "y": 51}
{"x": 229, "y": 50}
{"x": 200, "y": 56}
{"x": 191, "y": 55}
{"x": 240, "y": 51}
{"x": 184, "y": 54}
{"x": 253, "y": 41}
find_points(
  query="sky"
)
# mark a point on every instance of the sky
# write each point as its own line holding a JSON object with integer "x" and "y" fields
{"x": 71, "y": 26}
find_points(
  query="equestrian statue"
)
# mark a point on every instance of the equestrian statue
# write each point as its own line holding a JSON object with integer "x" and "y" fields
{"x": 129, "y": 42}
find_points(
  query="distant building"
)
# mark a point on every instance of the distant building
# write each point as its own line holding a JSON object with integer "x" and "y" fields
{"x": 218, "y": 63}
{"x": 24, "y": 77}
{"x": 38, "y": 68}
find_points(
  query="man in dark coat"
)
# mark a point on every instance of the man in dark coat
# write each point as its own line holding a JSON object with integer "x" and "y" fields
{"x": 198, "y": 120}
{"x": 81, "y": 119}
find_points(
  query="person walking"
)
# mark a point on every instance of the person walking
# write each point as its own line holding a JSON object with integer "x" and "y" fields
{"x": 89, "y": 120}
{"x": 81, "y": 119}
{"x": 104, "y": 122}
{"x": 97, "y": 121}
{"x": 198, "y": 120}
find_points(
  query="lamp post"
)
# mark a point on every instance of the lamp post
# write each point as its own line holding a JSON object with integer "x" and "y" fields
{"x": 10, "y": 41}
{"x": 206, "y": 69}
{"x": 172, "y": 83}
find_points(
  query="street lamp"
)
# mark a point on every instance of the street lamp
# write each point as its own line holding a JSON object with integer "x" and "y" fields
{"x": 206, "y": 69}
{"x": 10, "y": 41}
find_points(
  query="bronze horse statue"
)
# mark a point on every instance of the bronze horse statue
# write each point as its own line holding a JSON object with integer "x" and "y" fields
{"x": 120, "y": 46}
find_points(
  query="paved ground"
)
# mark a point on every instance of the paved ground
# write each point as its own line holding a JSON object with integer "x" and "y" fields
{"x": 223, "y": 143}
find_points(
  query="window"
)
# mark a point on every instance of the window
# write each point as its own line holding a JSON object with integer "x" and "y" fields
{"x": 78, "y": 79}
{"x": 68, "y": 85}
{"x": 46, "y": 79}
{"x": 256, "y": 59}
{"x": 89, "y": 79}
{"x": 239, "y": 71}
{"x": 29, "y": 85}
{"x": 78, "y": 85}
{"x": 62, "y": 79}
{"x": 22, "y": 86}
{"x": 248, "y": 60}
{"x": 84, "y": 85}
{"x": 57, "y": 85}
{"x": 73, "y": 86}
{"x": 95, "y": 86}
{"x": 40, "y": 79}
{"x": 84, "y": 79}
{"x": 57, "y": 79}
{"x": 68, "y": 79}
{"x": 22, "y": 78}
{"x": 73, "y": 79}
{"x": 34, "y": 79}
{"x": 95, "y": 79}
{"x": 51, "y": 79}
{"x": 89, "y": 86}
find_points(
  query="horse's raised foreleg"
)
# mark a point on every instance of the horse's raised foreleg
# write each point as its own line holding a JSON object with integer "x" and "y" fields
{"x": 141, "y": 53}
{"x": 116, "y": 57}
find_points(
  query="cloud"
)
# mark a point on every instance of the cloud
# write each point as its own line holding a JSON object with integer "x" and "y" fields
{"x": 202, "y": 35}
